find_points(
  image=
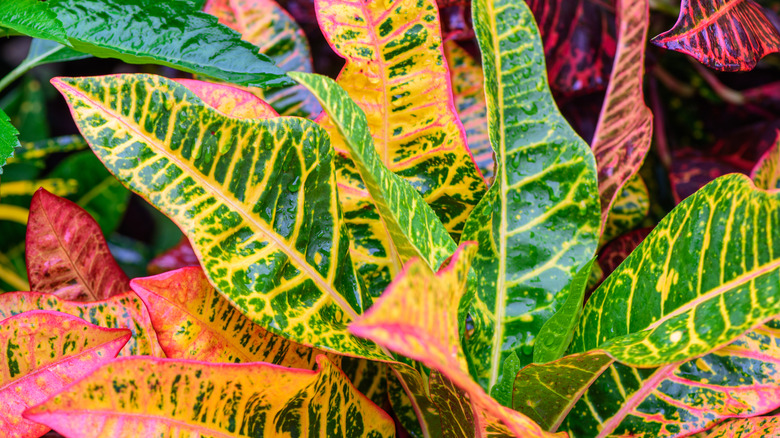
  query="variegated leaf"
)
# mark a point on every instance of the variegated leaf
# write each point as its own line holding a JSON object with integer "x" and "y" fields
{"x": 538, "y": 224}
{"x": 123, "y": 311}
{"x": 395, "y": 71}
{"x": 706, "y": 274}
{"x": 67, "y": 254}
{"x": 625, "y": 126}
{"x": 754, "y": 427}
{"x": 369, "y": 377}
{"x": 467, "y": 78}
{"x": 35, "y": 152}
{"x": 738, "y": 380}
{"x": 193, "y": 321}
{"x": 766, "y": 173}
{"x": 43, "y": 353}
{"x": 153, "y": 397}
{"x": 55, "y": 186}
{"x": 418, "y": 318}
{"x": 727, "y": 35}
{"x": 454, "y": 407}
{"x": 271, "y": 28}
{"x": 411, "y": 224}
{"x": 257, "y": 199}
{"x": 628, "y": 210}
{"x": 230, "y": 101}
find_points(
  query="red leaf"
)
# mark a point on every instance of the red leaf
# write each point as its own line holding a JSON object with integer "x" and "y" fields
{"x": 44, "y": 352}
{"x": 180, "y": 256}
{"x": 616, "y": 251}
{"x": 726, "y": 35}
{"x": 67, "y": 254}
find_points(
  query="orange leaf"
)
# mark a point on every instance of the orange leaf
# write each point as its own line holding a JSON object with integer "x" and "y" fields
{"x": 230, "y": 101}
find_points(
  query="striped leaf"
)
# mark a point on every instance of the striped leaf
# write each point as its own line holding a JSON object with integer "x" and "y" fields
{"x": 706, "y": 274}
{"x": 538, "y": 224}
{"x": 271, "y": 28}
{"x": 546, "y": 393}
{"x": 411, "y": 224}
{"x": 409, "y": 396}
{"x": 8, "y": 140}
{"x": 418, "y": 317}
{"x": 754, "y": 427}
{"x": 766, "y": 173}
{"x": 395, "y": 71}
{"x": 66, "y": 253}
{"x": 55, "y": 186}
{"x": 255, "y": 197}
{"x": 182, "y": 37}
{"x": 124, "y": 311}
{"x": 369, "y": 377}
{"x": 467, "y": 78}
{"x": 44, "y": 352}
{"x": 193, "y": 321}
{"x": 625, "y": 125}
{"x": 163, "y": 397}
{"x": 628, "y": 210}
{"x": 180, "y": 256}
{"x": 35, "y": 152}
{"x": 727, "y": 35}
{"x": 738, "y": 380}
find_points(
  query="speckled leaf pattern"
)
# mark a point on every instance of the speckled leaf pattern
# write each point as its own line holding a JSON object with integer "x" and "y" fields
{"x": 754, "y": 427}
{"x": 396, "y": 72}
{"x": 738, "y": 380}
{"x": 66, "y": 253}
{"x": 766, "y": 173}
{"x": 727, "y": 35}
{"x": 413, "y": 227}
{"x": 180, "y": 256}
{"x": 257, "y": 199}
{"x": 628, "y": 210}
{"x": 230, "y": 101}
{"x": 271, "y": 28}
{"x": 625, "y": 125}
{"x": 467, "y": 78}
{"x": 538, "y": 224}
{"x": 547, "y": 392}
{"x": 166, "y": 397}
{"x": 706, "y": 274}
{"x": 418, "y": 317}
{"x": 123, "y": 311}
{"x": 180, "y": 37}
{"x": 43, "y": 353}
{"x": 8, "y": 140}
{"x": 193, "y": 321}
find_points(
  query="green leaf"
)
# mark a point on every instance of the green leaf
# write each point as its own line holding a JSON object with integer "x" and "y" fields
{"x": 628, "y": 210}
{"x": 182, "y": 37}
{"x": 706, "y": 274}
{"x": 45, "y": 52}
{"x": 257, "y": 199}
{"x": 33, "y": 18}
{"x": 413, "y": 226}
{"x": 8, "y": 139}
{"x": 538, "y": 224}
{"x": 36, "y": 152}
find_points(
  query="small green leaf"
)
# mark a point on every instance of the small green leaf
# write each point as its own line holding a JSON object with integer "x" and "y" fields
{"x": 8, "y": 139}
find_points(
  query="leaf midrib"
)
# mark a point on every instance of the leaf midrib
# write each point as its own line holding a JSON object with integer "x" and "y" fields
{"x": 294, "y": 256}
{"x": 703, "y": 23}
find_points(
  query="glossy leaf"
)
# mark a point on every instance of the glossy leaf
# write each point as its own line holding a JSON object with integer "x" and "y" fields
{"x": 708, "y": 272}
{"x": 547, "y": 392}
{"x": 182, "y": 37}
{"x": 754, "y": 427}
{"x": 33, "y": 18}
{"x": 418, "y": 317}
{"x": 395, "y": 71}
{"x": 467, "y": 78}
{"x": 180, "y": 256}
{"x": 271, "y": 28}
{"x": 123, "y": 311}
{"x": 202, "y": 399}
{"x": 766, "y": 173}
{"x": 8, "y": 140}
{"x": 738, "y": 380}
{"x": 411, "y": 224}
{"x": 44, "y": 352}
{"x": 538, "y": 224}
{"x": 255, "y": 197}
{"x": 67, "y": 254}
{"x": 727, "y": 35}
{"x": 193, "y": 321}
{"x": 230, "y": 101}
{"x": 625, "y": 126}
{"x": 579, "y": 42}
{"x": 628, "y": 210}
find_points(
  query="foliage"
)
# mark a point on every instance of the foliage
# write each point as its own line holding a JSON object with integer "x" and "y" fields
{"x": 500, "y": 236}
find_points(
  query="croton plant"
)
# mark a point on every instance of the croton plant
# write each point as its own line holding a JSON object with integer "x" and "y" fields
{"x": 425, "y": 246}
